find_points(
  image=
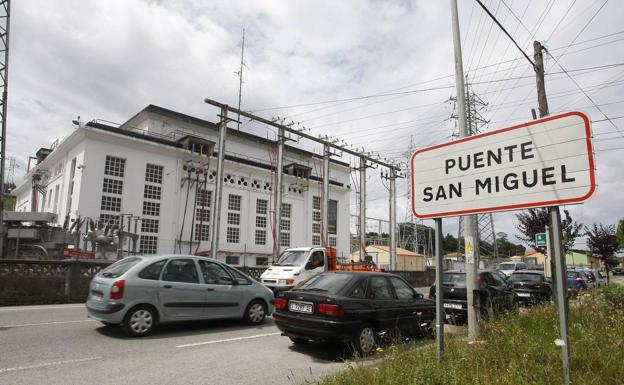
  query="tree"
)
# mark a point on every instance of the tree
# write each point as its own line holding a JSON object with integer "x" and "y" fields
{"x": 620, "y": 234}
{"x": 533, "y": 221}
{"x": 506, "y": 248}
{"x": 449, "y": 244}
{"x": 602, "y": 242}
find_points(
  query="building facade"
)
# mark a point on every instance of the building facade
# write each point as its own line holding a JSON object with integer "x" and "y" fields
{"x": 155, "y": 176}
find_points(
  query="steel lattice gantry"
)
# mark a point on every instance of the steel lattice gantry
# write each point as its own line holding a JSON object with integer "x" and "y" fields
{"x": 5, "y": 13}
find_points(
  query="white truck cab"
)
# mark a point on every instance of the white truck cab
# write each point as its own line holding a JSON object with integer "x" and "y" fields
{"x": 294, "y": 266}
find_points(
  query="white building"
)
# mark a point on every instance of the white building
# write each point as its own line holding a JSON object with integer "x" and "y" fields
{"x": 148, "y": 167}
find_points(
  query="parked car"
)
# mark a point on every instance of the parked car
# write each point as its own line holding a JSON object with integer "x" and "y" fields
{"x": 495, "y": 296}
{"x": 618, "y": 270}
{"x": 140, "y": 292}
{"x": 530, "y": 286}
{"x": 596, "y": 277}
{"x": 352, "y": 307}
{"x": 577, "y": 280}
{"x": 509, "y": 267}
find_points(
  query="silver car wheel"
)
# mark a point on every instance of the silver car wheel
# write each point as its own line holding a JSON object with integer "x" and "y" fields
{"x": 141, "y": 321}
{"x": 256, "y": 313}
{"x": 367, "y": 340}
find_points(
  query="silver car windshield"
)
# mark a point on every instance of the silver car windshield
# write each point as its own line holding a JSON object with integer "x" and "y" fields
{"x": 292, "y": 258}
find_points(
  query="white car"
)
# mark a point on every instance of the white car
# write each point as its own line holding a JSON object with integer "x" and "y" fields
{"x": 509, "y": 267}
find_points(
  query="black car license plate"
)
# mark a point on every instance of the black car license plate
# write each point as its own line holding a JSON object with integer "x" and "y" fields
{"x": 300, "y": 307}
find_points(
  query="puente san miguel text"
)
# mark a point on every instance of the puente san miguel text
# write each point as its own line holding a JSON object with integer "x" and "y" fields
{"x": 540, "y": 163}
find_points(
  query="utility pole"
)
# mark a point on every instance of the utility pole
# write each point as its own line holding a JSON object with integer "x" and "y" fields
{"x": 392, "y": 214}
{"x": 5, "y": 13}
{"x": 325, "y": 201}
{"x": 240, "y": 78}
{"x": 470, "y": 225}
{"x": 277, "y": 210}
{"x": 216, "y": 212}
{"x": 560, "y": 279}
{"x": 362, "y": 208}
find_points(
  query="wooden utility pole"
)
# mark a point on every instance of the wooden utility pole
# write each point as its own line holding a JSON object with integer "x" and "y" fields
{"x": 559, "y": 275}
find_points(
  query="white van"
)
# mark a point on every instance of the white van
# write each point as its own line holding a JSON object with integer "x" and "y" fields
{"x": 509, "y": 267}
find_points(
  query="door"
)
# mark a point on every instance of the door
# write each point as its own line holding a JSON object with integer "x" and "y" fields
{"x": 180, "y": 293}
{"x": 224, "y": 297}
{"x": 387, "y": 309}
{"x": 412, "y": 309}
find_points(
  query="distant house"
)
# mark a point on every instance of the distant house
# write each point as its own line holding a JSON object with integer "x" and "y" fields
{"x": 575, "y": 259}
{"x": 538, "y": 257}
{"x": 406, "y": 260}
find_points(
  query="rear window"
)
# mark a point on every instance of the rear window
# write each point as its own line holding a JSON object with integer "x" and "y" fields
{"x": 507, "y": 266}
{"x": 454, "y": 279}
{"x": 120, "y": 267}
{"x": 573, "y": 274}
{"x": 526, "y": 277}
{"x": 326, "y": 283}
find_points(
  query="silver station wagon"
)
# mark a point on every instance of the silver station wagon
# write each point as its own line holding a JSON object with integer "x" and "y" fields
{"x": 139, "y": 292}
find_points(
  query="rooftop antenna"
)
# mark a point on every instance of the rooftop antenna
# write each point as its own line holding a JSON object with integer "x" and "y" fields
{"x": 240, "y": 79}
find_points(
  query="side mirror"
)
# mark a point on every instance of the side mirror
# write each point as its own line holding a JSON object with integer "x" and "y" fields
{"x": 418, "y": 295}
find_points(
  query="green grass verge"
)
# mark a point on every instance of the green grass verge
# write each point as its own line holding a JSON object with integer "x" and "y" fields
{"x": 516, "y": 350}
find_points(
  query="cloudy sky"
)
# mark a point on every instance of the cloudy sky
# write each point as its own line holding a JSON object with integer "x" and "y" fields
{"x": 378, "y": 74}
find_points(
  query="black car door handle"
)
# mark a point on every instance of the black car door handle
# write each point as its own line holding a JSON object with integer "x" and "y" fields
{"x": 209, "y": 289}
{"x": 167, "y": 286}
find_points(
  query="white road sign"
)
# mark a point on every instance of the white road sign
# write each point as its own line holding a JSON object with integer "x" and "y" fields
{"x": 543, "y": 162}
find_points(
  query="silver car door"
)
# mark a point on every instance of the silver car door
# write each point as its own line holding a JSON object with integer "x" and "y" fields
{"x": 224, "y": 297}
{"x": 180, "y": 293}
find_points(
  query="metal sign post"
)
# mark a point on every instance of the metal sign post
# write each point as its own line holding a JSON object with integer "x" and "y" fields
{"x": 555, "y": 220}
{"x": 438, "y": 289}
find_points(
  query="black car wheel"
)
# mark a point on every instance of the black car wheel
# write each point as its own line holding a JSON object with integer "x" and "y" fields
{"x": 140, "y": 321}
{"x": 488, "y": 309}
{"x": 365, "y": 341}
{"x": 255, "y": 312}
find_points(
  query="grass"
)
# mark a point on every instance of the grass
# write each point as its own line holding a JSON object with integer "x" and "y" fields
{"x": 515, "y": 350}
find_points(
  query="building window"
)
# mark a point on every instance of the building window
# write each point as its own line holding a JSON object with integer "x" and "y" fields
{"x": 260, "y": 238}
{"x": 149, "y": 225}
{"x": 114, "y": 166}
{"x": 332, "y": 211}
{"x": 151, "y": 208}
{"x": 284, "y": 238}
{"x": 202, "y": 232}
{"x": 152, "y": 192}
{"x": 232, "y": 259}
{"x": 148, "y": 244}
{"x": 332, "y": 241}
{"x": 202, "y": 215}
{"x": 108, "y": 219}
{"x": 261, "y": 206}
{"x": 112, "y": 186}
{"x": 110, "y": 204}
{"x": 262, "y": 261}
{"x": 233, "y": 219}
{"x": 234, "y": 202}
{"x": 232, "y": 235}
{"x": 153, "y": 173}
{"x": 56, "y": 198}
{"x": 316, "y": 221}
{"x": 203, "y": 198}
{"x": 261, "y": 222}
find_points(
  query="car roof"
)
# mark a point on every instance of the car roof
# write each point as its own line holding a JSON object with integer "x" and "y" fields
{"x": 528, "y": 272}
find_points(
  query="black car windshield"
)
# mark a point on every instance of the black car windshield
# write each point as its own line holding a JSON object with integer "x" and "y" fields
{"x": 454, "y": 279}
{"x": 120, "y": 267}
{"x": 326, "y": 283}
{"x": 526, "y": 277}
{"x": 292, "y": 258}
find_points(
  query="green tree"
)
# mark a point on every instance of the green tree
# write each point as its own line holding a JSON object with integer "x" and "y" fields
{"x": 602, "y": 243}
{"x": 449, "y": 244}
{"x": 620, "y": 234}
{"x": 533, "y": 221}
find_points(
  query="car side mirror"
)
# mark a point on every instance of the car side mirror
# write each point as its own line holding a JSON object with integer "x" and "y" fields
{"x": 418, "y": 295}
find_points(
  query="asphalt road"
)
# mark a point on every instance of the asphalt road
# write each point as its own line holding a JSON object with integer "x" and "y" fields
{"x": 58, "y": 345}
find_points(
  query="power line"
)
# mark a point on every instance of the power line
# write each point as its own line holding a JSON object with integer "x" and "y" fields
{"x": 505, "y": 31}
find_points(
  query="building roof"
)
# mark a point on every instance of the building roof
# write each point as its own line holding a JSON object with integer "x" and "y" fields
{"x": 400, "y": 251}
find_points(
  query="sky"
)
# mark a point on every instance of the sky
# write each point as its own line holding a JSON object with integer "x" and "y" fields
{"x": 377, "y": 74}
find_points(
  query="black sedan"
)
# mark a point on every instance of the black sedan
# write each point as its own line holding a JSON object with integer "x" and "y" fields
{"x": 530, "y": 286}
{"x": 352, "y": 307}
{"x": 495, "y": 297}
